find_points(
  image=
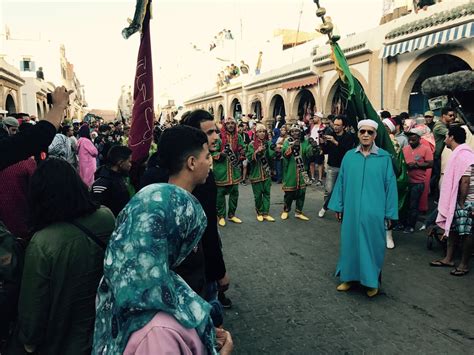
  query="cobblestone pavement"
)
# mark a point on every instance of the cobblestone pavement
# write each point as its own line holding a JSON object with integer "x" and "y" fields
{"x": 285, "y": 301}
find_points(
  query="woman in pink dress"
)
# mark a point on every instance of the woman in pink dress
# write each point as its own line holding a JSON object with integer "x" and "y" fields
{"x": 87, "y": 153}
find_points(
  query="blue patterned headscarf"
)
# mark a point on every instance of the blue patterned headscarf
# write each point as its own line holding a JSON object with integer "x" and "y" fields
{"x": 157, "y": 229}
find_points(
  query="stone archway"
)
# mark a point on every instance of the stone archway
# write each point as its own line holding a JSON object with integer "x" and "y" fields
{"x": 277, "y": 106}
{"x": 38, "y": 110}
{"x": 410, "y": 75}
{"x": 211, "y": 110}
{"x": 256, "y": 108}
{"x": 304, "y": 105}
{"x": 236, "y": 108}
{"x": 220, "y": 112}
{"x": 439, "y": 64}
{"x": 10, "y": 105}
{"x": 45, "y": 108}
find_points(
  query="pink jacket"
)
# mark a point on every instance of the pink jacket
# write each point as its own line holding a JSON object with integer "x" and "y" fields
{"x": 164, "y": 335}
{"x": 460, "y": 160}
{"x": 87, "y": 154}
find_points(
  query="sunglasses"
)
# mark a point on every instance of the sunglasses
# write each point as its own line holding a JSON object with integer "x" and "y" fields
{"x": 368, "y": 131}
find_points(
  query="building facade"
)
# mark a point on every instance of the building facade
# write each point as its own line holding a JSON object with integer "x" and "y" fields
{"x": 390, "y": 61}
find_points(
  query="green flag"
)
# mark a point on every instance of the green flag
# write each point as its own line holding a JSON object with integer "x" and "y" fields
{"x": 358, "y": 106}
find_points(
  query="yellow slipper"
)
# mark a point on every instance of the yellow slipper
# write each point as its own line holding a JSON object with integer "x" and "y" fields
{"x": 345, "y": 286}
{"x": 222, "y": 222}
{"x": 301, "y": 216}
{"x": 269, "y": 218}
{"x": 235, "y": 220}
{"x": 371, "y": 292}
{"x": 284, "y": 215}
{"x": 259, "y": 218}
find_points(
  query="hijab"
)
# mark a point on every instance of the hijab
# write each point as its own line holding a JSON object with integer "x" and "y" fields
{"x": 154, "y": 233}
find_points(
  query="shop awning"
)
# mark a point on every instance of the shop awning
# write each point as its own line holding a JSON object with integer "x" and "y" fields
{"x": 430, "y": 40}
{"x": 296, "y": 84}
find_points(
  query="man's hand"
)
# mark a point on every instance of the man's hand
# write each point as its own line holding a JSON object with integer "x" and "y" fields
{"x": 339, "y": 216}
{"x": 389, "y": 223}
{"x": 60, "y": 102}
{"x": 225, "y": 345}
{"x": 330, "y": 139}
{"x": 224, "y": 283}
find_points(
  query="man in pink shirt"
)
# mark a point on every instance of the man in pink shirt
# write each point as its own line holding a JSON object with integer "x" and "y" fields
{"x": 418, "y": 158}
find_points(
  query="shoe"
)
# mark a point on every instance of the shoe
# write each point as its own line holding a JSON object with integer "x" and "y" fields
{"x": 321, "y": 212}
{"x": 244, "y": 182}
{"x": 301, "y": 216}
{"x": 222, "y": 222}
{"x": 389, "y": 239}
{"x": 371, "y": 292}
{"x": 319, "y": 183}
{"x": 345, "y": 286}
{"x": 235, "y": 220}
{"x": 423, "y": 227}
{"x": 284, "y": 215}
{"x": 408, "y": 230}
{"x": 311, "y": 181}
{"x": 399, "y": 227}
{"x": 259, "y": 218}
{"x": 269, "y": 218}
{"x": 225, "y": 301}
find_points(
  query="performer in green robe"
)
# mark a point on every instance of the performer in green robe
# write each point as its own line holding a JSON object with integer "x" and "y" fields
{"x": 296, "y": 152}
{"x": 227, "y": 158}
{"x": 260, "y": 155}
{"x": 365, "y": 199}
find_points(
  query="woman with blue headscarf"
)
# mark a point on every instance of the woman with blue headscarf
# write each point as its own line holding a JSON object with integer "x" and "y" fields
{"x": 144, "y": 307}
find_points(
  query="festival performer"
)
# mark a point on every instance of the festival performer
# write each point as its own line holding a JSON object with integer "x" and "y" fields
{"x": 296, "y": 152}
{"x": 365, "y": 200}
{"x": 228, "y": 158}
{"x": 260, "y": 155}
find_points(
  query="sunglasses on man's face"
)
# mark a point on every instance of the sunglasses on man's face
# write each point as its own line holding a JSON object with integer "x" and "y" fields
{"x": 368, "y": 131}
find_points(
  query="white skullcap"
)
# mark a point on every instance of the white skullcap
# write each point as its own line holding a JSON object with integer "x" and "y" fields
{"x": 370, "y": 123}
{"x": 319, "y": 114}
{"x": 389, "y": 124}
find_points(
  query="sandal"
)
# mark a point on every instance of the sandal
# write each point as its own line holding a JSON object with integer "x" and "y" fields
{"x": 459, "y": 272}
{"x": 440, "y": 263}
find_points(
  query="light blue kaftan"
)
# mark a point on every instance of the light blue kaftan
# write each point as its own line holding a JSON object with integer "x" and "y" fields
{"x": 366, "y": 193}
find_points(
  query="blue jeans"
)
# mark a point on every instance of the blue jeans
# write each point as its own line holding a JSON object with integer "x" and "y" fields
{"x": 331, "y": 177}
{"x": 217, "y": 312}
{"x": 416, "y": 190}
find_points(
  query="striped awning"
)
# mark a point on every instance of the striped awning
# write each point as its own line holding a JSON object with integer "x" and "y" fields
{"x": 451, "y": 34}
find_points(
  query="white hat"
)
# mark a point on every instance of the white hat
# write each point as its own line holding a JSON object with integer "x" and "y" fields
{"x": 370, "y": 123}
{"x": 318, "y": 114}
{"x": 389, "y": 124}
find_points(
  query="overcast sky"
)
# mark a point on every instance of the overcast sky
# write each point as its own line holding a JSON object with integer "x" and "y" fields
{"x": 104, "y": 61}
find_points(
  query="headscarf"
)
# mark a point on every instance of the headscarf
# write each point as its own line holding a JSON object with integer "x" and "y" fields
{"x": 234, "y": 137}
{"x": 157, "y": 229}
{"x": 388, "y": 122}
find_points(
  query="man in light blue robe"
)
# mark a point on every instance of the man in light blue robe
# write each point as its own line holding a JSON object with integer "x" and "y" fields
{"x": 364, "y": 199}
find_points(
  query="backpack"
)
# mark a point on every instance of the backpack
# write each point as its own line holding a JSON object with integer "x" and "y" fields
{"x": 12, "y": 254}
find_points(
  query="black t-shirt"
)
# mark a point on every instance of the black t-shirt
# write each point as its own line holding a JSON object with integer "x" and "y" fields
{"x": 336, "y": 153}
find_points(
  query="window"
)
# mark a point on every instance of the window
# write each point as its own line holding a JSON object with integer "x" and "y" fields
{"x": 27, "y": 65}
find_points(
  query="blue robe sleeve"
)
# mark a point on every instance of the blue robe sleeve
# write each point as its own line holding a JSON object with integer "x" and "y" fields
{"x": 391, "y": 193}
{"x": 336, "y": 203}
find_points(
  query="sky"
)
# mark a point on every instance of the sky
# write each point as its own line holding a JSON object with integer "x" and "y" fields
{"x": 104, "y": 61}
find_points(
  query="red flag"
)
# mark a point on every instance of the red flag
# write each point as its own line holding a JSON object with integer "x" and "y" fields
{"x": 141, "y": 130}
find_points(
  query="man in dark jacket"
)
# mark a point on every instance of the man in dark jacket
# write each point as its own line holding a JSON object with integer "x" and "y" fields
{"x": 110, "y": 187}
{"x": 206, "y": 265}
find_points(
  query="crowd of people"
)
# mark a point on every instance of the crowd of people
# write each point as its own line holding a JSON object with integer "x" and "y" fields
{"x": 115, "y": 265}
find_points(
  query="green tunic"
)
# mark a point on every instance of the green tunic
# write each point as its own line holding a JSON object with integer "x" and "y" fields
{"x": 257, "y": 172}
{"x": 292, "y": 176}
{"x": 62, "y": 270}
{"x": 224, "y": 172}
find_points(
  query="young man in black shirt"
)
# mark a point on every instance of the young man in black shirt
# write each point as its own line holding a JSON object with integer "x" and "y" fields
{"x": 335, "y": 146}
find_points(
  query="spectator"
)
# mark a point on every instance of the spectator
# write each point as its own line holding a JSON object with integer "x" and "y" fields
{"x": 429, "y": 116}
{"x": 87, "y": 156}
{"x": 278, "y": 150}
{"x": 440, "y": 130}
{"x": 111, "y": 188}
{"x": 176, "y": 319}
{"x": 11, "y": 124}
{"x": 456, "y": 201}
{"x": 335, "y": 145}
{"x": 418, "y": 158}
{"x": 399, "y": 133}
{"x": 103, "y": 143}
{"x": 61, "y": 146}
{"x": 63, "y": 264}
{"x": 37, "y": 139}
{"x": 315, "y": 129}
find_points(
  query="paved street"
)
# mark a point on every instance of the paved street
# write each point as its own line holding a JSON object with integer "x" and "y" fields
{"x": 285, "y": 299}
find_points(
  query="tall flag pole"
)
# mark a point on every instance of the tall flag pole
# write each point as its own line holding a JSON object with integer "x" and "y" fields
{"x": 141, "y": 129}
{"x": 358, "y": 106}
